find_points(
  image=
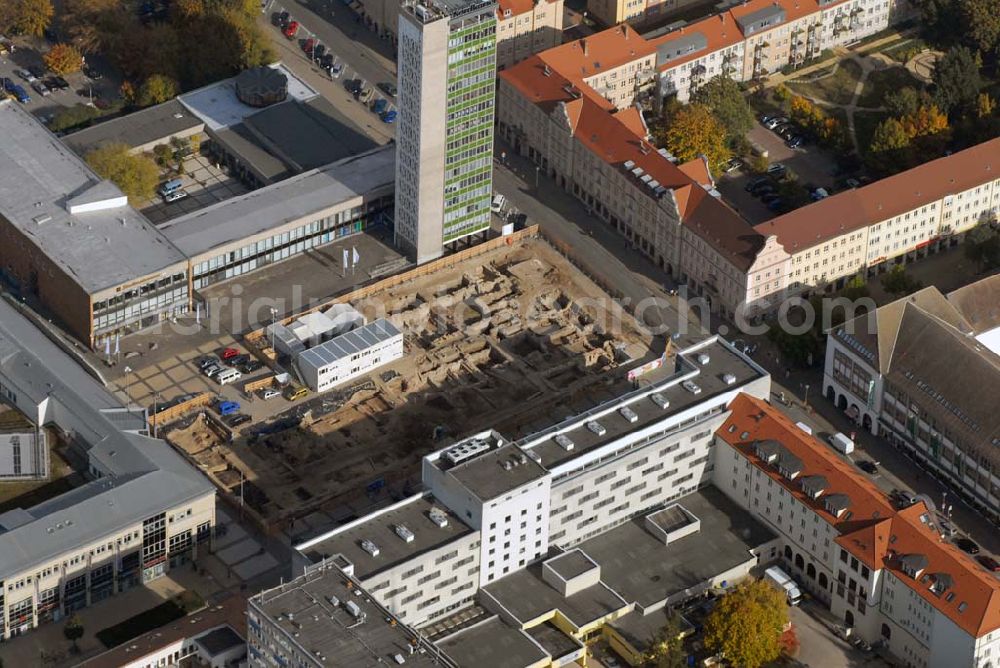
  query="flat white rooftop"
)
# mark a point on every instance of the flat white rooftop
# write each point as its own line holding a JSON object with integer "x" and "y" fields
{"x": 39, "y": 178}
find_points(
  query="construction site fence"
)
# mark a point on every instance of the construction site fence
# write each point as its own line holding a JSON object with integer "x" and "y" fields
{"x": 261, "y": 383}
{"x": 174, "y": 412}
{"x": 255, "y": 337}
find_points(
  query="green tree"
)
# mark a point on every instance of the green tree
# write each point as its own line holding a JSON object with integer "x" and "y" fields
{"x": 957, "y": 80}
{"x": 63, "y": 59}
{"x": 982, "y": 23}
{"x": 746, "y": 625}
{"x": 695, "y": 131}
{"x": 72, "y": 117}
{"x": 667, "y": 649}
{"x": 856, "y": 288}
{"x": 902, "y": 102}
{"x": 155, "y": 90}
{"x": 982, "y": 246}
{"x": 725, "y": 100}
{"x": 73, "y": 630}
{"x": 889, "y": 150}
{"x": 898, "y": 283}
{"x": 136, "y": 175}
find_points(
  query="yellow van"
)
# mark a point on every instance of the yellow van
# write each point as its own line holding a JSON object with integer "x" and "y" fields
{"x": 296, "y": 393}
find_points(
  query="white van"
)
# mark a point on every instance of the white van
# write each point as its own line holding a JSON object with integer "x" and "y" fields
{"x": 842, "y": 444}
{"x": 499, "y": 201}
{"x": 228, "y": 376}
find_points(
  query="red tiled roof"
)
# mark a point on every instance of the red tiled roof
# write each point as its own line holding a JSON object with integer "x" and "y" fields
{"x": 600, "y": 52}
{"x": 544, "y": 85}
{"x": 723, "y": 229}
{"x": 697, "y": 169}
{"x": 517, "y": 7}
{"x": 631, "y": 117}
{"x": 794, "y": 9}
{"x": 874, "y": 532}
{"x": 855, "y": 209}
{"x": 720, "y": 31}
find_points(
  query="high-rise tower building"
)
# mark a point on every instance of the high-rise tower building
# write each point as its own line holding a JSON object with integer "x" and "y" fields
{"x": 447, "y": 87}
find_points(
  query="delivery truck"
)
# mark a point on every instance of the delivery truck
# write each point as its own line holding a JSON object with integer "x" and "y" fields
{"x": 842, "y": 444}
{"x": 785, "y": 583}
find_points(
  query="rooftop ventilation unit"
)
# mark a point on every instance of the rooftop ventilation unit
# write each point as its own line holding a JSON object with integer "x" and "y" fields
{"x": 370, "y": 547}
{"x": 638, "y": 171}
{"x": 659, "y": 400}
{"x": 646, "y": 178}
{"x": 523, "y": 458}
{"x": 728, "y": 378}
{"x": 534, "y": 455}
{"x": 564, "y": 442}
{"x": 597, "y": 428}
{"x": 703, "y": 359}
{"x": 629, "y": 164}
{"x": 404, "y": 533}
{"x": 439, "y": 517}
{"x": 464, "y": 451}
{"x": 628, "y": 414}
{"x": 653, "y": 185}
{"x": 507, "y": 464}
{"x": 355, "y": 611}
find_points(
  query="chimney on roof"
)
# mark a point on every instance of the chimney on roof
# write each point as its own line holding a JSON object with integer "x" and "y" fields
{"x": 583, "y": 45}
{"x": 625, "y": 30}
{"x": 547, "y": 71}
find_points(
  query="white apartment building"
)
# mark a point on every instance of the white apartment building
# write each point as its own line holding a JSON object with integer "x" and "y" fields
{"x": 418, "y": 557}
{"x": 143, "y": 511}
{"x": 493, "y": 507}
{"x": 350, "y": 355}
{"x": 893, "y": 372}
{"x": 886, "y": 573}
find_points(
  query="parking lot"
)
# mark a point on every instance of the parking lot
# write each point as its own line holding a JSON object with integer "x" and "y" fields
{"x": 28, "y": 54}
{"x": 343, "y": 60}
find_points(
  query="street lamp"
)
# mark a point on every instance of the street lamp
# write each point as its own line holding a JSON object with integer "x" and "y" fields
{"x": 805, "y": 399}
{"x": 128, "y": 393}
{"x": 156, "y": 398}
{"x": 274, "y": 314}
{"x": 537, "y": 170}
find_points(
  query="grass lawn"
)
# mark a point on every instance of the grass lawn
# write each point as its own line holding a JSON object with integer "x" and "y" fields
{"x": 883, "y": 81}
{"x": 26, "y": 494}
{"x": 154, "y": 618}
{"x": 837, "y": 88}
{"x": 865, "y": 123}
{"x": 905, "y": 49}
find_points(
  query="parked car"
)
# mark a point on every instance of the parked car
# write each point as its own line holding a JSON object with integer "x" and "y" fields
{"x": 366, "y": 95}
{"x": 336, "y": 70}
{"x": 776, "y": 169}
{"x": 520, "y": 221}
{"x": 967, "y": 545}
{"x": 93, "y": 74}
{"x": 21, "y": 94}
{"x": 732, "y": 165}
{"x": 353, "y": 86}
{"x": 239, "y": 360}
{"x": 772, "y": 123}
{"x": 852, "y": 183}
{"x": 388, "y": 88}
{"x": 318, "y": 51}
{"x": 380, "y": 105}
{"x": 57, "y": 83}
{"x": 207, "y": 361}
{"x": 212, "y": 370}
{"x": 25, "y": 75}
{"x": 499, "y": 202}
{"x": 296, "y": 393}
{"x": 237, "y": 419}
{"x": 770, "y": 197}
{"x": 280, "y": 19}
{"x": 270, "y": 394}
{"x": 754, "y": 182}
{"x": 36, "y": 71}
{"x": 326, "y": 60}
{"x": 989, "y": 563}
{"x": 816, "y": 194}
{"x": 309, "y": 45}
{"x": 175, "y": 196}
{"x": 867, "y": 466}
{"x": 290, "y": 30}
{"x": 41, "y": 88}
{"x": 786, "y": 132}
{"x": 776, "y": 204}
{"x": 227, "y": 407}
{"x": 389, "y": 116}
{"x": 765, "y": 188}
{"x": 795, "y": 141}
{"x": 252, "y": 365}
{"x": 230, "y": 353}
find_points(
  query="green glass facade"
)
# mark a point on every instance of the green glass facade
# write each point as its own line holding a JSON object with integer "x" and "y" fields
{"x": 469, "y": 122}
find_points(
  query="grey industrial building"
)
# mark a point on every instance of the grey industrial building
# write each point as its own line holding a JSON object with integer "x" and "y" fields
{"x": 142, "y": 510}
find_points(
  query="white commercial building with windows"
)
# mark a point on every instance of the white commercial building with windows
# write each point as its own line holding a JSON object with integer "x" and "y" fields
{"x": 350, "y": 355}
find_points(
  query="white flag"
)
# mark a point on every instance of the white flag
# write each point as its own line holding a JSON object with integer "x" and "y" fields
{"x": 117, "y": 347}
{"x": 356, "y": 256}
{"x": 107, "y": 347}
{"x": 197, "y": 313}
{"x": 345, "y": 258}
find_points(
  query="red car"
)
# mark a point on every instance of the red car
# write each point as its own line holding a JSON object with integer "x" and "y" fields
{"x": 229, "y": 353}
{"x": 989, "y": 563}
{"x": 309, "y": 45}
{"x": 292, "y": 28}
